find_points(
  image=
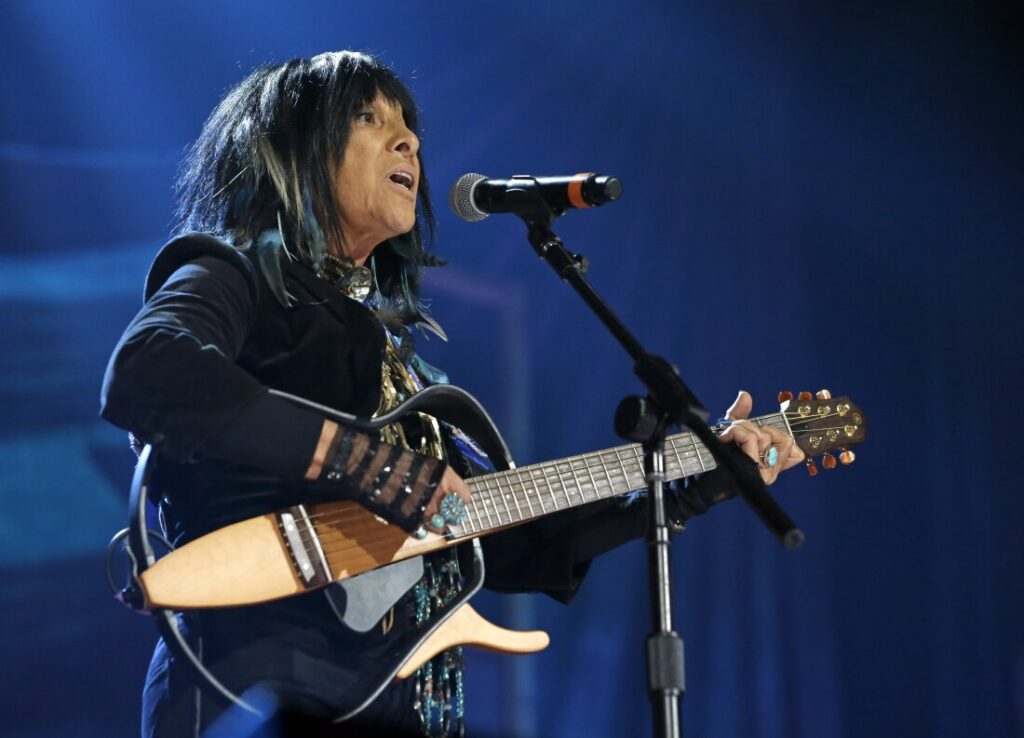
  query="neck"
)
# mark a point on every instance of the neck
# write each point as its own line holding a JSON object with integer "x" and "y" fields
{"x": 516, "y": 496}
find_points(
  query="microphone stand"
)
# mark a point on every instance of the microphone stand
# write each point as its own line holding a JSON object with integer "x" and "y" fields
{"x": 669, "y": 401}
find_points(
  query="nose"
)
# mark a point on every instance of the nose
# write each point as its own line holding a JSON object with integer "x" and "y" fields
{"x": 405, "y": 141}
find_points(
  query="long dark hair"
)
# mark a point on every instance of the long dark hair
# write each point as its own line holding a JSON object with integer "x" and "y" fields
{"x": 265, "y": 162}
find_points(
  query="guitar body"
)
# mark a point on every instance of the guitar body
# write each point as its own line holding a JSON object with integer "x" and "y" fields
{"x": 252, "y": 561}
{"x": 366, "y": 565}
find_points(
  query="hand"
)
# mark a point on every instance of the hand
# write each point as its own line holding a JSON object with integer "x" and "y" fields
{"x": 451, "y": 483}
{"x": 754, "y": 440}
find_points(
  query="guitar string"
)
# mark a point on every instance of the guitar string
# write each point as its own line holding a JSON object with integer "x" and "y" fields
{"x": 482, "y": 484}
{"x": 594, "y": 455}
{"x": 525, "y": 488}
{"x": 562, "y": 474}
{"x": 381, "y": 544}
{"x": 679, "y": 438}
{"x": 571, "y": 471}
{"x": 488, "y": 485}
{"x": 485, "y": 488}
{"x": 385, "y": 539}
{"x": 550, "y": 466}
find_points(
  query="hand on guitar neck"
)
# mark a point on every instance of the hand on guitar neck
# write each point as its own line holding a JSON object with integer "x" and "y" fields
{"x": 758, "y": 442}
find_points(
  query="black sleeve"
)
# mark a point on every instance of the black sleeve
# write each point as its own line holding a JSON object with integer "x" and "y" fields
{"x": 172, "y": 377}
{"x": 553, "y": 555}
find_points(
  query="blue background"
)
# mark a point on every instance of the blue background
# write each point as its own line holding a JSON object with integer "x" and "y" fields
{"x": 815, "y": 195}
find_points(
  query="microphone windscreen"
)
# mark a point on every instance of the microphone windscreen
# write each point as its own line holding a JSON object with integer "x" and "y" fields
{"x": 460, "y": 197}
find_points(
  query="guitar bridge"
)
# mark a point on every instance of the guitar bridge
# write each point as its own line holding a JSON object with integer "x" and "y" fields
{"x": 304, "y": 546}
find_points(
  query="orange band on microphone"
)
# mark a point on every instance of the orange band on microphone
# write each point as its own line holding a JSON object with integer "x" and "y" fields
{"x": 576, "y": 190}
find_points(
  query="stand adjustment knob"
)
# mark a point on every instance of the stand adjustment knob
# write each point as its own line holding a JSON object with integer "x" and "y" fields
{"x": 636, "y": 419}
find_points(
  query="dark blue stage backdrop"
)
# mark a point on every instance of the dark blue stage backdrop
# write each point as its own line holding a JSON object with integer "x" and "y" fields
{"x": 814, "y": 197}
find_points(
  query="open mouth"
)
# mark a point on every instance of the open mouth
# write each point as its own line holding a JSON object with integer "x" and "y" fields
{"x": 402, "y": 178}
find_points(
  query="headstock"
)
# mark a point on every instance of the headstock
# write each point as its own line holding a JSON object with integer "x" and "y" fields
{"x": 820, "y": 424}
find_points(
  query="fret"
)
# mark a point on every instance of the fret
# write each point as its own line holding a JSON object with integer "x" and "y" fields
{"x": 488, "y": 498}
{"x": 503, "y": 496}
{"x": 679, "y": 458}
{"x": 526, "y": 493}
{"x": 786, "y": 429}
{"x": 517, "y": 492}
{"x": 565, "y": 491}
{"x": 551, "y": 492}
{"x": 693, "y": 440}
{"x": 599, "y": 469}
{"x": 637, "y": 456}
{"x": 593, "y": 482}
{"x": 542, "y": 476}
{"x": 515, "y": 498}
{"x": 625, "y": 474}
{"x": 468, "y": 526}
{"x": 575, "y": 477}
{"x": 609, "y": 483}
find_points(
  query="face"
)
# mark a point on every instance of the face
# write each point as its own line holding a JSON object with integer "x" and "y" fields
{"x": 377, "y": 181}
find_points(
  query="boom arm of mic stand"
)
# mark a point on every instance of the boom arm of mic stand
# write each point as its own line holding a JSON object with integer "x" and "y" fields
{"x": 666, "y": 387}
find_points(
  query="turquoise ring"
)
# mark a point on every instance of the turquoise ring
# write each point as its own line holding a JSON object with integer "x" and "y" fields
{"x": 770, "y": 457}
{"x": 453, "y": 510}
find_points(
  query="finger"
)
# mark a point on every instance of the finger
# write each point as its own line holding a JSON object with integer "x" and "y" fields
{"x": 789, "y": 453}
{"x": 744, "y": 436}
{"x": 457, "y": 486}
{"x": 769, "y": 474}
{"x": 755, "y": 441}
{"x": 741, "y": 407}
{"x": 450, "y": 484}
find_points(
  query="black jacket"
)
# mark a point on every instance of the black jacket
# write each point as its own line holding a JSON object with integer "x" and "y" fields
{"x": 192, "y": 372}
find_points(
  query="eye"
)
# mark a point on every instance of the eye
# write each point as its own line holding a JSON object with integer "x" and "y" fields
{"x": 365, "y": 116}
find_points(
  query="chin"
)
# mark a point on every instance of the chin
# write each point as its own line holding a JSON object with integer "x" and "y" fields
{"x": 405, "y": 225}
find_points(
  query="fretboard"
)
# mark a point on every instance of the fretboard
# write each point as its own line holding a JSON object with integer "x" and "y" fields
{"x": 519, "y": 495}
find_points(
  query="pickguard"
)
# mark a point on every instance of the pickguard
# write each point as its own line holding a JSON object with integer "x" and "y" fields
{"x": 361, "y": 601}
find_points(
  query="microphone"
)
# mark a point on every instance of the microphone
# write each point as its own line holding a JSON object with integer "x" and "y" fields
{"x": 473, "y": 196}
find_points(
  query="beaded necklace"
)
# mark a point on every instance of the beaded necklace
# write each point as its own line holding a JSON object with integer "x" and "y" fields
{"x": 439, "y": 682}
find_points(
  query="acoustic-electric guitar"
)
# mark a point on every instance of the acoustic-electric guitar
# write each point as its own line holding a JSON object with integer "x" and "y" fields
{"x": 306, "y": 547}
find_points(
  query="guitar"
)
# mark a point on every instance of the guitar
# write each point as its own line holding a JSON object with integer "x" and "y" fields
{"x": 307, "y": 547}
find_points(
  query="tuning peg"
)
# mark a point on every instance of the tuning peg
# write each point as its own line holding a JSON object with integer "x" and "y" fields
{"x": 846, "y": 456}
{"x": 823, "y": 394}
{"x": 828, "y": 461}
{"x": 805, "y": 396}
{"x": 812, "y": 468}
{"x": 785, "y": 397}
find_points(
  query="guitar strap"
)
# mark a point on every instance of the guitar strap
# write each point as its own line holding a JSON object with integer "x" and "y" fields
{"x": 142, "y": 557}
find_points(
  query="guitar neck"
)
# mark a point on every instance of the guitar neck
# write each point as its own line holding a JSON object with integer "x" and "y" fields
{"x": 519, "y": 495}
